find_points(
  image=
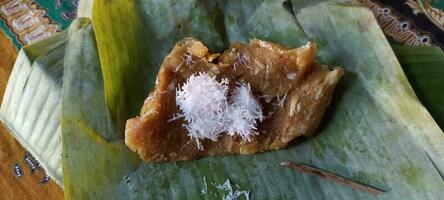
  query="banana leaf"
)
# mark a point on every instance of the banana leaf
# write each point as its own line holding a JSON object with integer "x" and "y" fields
{"x": 424, "y": 67}
{"x": 84, "y": 8}
{"x": 376, "y": 131}
{"x": 85, "y": 123}
{"x": 31, "y": 104}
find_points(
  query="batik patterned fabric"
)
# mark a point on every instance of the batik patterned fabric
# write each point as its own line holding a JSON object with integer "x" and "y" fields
{"x": 29, "y": 21}
{"x": 410, "y": 22}
{"x": 24, "y": 22}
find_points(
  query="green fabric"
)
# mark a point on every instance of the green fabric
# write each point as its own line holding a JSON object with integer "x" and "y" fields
{"x": 54, "y": 11}
{"x": 437, "y": 4}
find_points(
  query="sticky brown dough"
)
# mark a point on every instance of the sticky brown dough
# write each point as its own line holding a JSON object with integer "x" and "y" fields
{"x": 293, "y": 89}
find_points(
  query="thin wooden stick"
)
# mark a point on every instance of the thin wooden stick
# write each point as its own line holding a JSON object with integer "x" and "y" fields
{"x": 332, "y": 177}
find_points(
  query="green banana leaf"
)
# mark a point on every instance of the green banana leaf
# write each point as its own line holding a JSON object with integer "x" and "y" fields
{"x": 31, "y": 104}
{"x": 85, "y": 121}
{"x": 84, "y": 8}
{"x": 424, "y": 67}
{"x": 375, "y": 131}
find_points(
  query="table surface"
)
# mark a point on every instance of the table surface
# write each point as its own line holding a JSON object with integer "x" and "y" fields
{"x": 11, "y": 152}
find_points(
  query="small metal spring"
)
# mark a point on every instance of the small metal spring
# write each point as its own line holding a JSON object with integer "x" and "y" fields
{"x": 45, "y": 179}
{"x": 31, "y": 163}
{"x": 18, "y": 170}
{"x": 37, "y": 164}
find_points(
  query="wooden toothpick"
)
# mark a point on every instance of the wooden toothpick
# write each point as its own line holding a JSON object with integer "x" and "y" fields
{"x": 332, "y": 177}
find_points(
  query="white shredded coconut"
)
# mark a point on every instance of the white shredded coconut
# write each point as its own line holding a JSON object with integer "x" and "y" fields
{"x": 205, "y": 188}
{"x": 188, "y": 59}
{"x": 232, "y": 194}
{"x": 280, "y": 102}
{"x": 265, "y": 45}
{"x": 306, "y": 46}
{"x": 291, "y": 76}
{"x": 244, "y": 59}
{"x": 204, "y": 104}
{"x": 243, "y": 112}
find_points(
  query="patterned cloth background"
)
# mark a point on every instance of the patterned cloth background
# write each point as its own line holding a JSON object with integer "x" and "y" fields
{"x": 22, "y": 22}
{"x": 410, "y": 22}
{"x": 28, "y": 21}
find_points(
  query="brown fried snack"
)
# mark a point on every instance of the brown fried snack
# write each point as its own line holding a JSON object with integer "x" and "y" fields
{"x": 294, "y": 91}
